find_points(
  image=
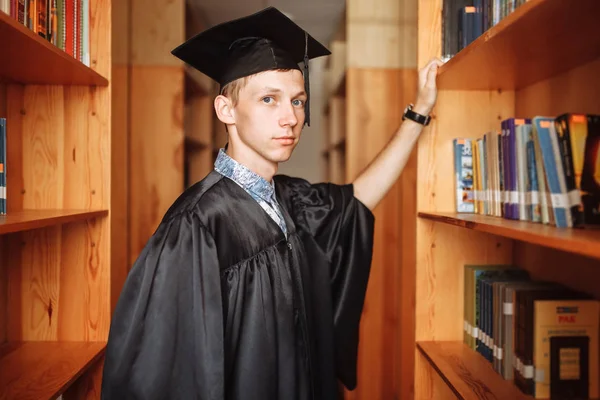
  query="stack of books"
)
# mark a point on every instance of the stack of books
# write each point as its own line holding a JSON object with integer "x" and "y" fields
{"x": 541, "y": 169}
{"x": 541, "y": 335}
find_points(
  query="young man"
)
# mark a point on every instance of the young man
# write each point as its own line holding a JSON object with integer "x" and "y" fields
{"x": 252, "y": 286}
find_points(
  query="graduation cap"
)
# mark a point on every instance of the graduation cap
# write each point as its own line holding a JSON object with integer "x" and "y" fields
{"x": 266, "y": 40}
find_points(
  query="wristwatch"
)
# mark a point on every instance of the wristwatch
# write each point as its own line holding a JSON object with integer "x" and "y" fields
{"x": 410, "y": 114}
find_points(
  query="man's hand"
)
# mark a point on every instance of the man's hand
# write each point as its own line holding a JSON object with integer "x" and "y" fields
{"x": 427, "y": 89}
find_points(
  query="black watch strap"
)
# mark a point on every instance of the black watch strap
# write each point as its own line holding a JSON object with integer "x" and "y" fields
{"x": 419, "y": 118}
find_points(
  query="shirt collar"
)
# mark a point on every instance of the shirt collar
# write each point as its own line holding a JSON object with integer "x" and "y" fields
{"x": 244, "y": 177}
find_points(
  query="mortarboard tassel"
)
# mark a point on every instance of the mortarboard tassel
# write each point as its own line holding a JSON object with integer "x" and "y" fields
{"x": 306, "y": 80}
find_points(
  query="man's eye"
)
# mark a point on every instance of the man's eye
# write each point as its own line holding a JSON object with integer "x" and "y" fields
{"x": 267, "y": 100}
{"x": 298, "y": 103}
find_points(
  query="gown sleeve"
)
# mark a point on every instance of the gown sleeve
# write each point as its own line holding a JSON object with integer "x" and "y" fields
{"x": 343, "y": 228}
{"x": 166, "y": 335}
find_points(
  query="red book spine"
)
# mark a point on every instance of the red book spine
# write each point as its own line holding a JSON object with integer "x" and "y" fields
{"x": 69, "y": 31}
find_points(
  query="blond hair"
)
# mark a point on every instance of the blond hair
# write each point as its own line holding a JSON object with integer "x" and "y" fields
{"x": 232, "y": 89}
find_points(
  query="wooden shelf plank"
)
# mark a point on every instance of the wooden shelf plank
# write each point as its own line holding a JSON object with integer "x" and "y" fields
{"x": 44, "y": 370}
{"x": 469, "y": 375}
{"x": 33, "y": 219}
{"x": 585, "y": 242}
{"x": 540, "y": 39}
{"x": 30, "y": 59}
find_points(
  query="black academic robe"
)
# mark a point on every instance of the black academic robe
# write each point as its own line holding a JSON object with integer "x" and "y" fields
{"x": 220, "y": 305}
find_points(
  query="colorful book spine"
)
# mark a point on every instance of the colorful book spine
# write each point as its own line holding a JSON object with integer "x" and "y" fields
{"x": 533, "y": 187}
{"x": 553, "y": 165}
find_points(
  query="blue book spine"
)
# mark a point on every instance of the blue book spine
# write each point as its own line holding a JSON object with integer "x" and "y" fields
{"x": 533, "y": 187}
{"x": 549, "y": 146}
{"x": 463, "y": 175}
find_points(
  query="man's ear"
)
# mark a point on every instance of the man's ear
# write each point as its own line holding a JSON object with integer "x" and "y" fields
{"x": 224, "y": 110}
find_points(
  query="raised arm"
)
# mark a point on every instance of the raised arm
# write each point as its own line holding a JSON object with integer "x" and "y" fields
{"x": 379, "y": 176}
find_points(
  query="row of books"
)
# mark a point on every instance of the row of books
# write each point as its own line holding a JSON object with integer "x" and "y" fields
{"x": 541, "y": 169}
{"x": 541, "y": 335}
{"x": 3, "y": 166}
{"x": 463, "y": 21}
{"x": 64, "y": 23}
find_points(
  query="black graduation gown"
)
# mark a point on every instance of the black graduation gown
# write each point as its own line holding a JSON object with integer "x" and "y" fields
{"x": 220, "y": 305}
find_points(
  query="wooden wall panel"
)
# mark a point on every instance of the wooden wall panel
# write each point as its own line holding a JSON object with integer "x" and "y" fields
{"x": 147, "y": 122}
{"x": 404, "y": 340}
{"x": 12, "y": 274}
{"x": 86, "y": 148}
{"x": 100, "y": 42}
{"x": 120, "y": 180}
{"x": 577, "y": 90}
{"x": 121, "y": 36}
{"x": 43, "y": 146}
{"x": 382, "y": 34}
{"x": 429, "y": 28}
{"x": 156, "y": 148}
{"x": 159, "y": 27}
{"x": 36, "y": 280}
{"x": 120, "y": 140}
{"x": 86, "y": 314}
{"x": 15, "y": 186}
{"x": 372, "y": 118}
{"x": 580, "y": 273}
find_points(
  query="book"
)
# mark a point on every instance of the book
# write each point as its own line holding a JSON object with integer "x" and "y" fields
{"x": 463, "y": 175}
{"x": 570, "y": 318}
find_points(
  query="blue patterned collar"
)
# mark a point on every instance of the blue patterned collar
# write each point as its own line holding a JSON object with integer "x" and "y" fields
{"x": 248, "y": 180}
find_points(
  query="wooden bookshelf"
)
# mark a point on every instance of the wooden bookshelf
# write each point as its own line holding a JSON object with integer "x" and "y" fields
{"x": 467, "y": 373}
{"x": 540, "y": 39}
{"x": 30, "y": 59}
{"x": 585, "y": 242}
{"x": 44, "y": 370}
{"x": 540, "y": 60}
{"x": 25, "y": 220}
{"x": 57, "y": 284}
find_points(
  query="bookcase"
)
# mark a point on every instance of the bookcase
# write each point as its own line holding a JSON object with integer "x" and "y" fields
{"x": 543, "y": 59}
{"x": 55, "y": 270}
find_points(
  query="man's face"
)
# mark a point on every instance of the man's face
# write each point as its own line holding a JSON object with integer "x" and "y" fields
{"x": 269, "y": 115}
